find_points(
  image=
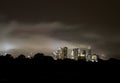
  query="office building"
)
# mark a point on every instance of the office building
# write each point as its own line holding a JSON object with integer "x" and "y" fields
{"x": 94, "y": 58}
{"x": 75, "y": 53}
{"x": 89, "y": 55}
{"x": 82, "y": 54}
{"x": 65, "y": 52}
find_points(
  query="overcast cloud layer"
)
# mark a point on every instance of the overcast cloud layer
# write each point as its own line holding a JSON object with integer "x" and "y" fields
{"x": 52, "y": 23}
{"x": 41, "y": 36}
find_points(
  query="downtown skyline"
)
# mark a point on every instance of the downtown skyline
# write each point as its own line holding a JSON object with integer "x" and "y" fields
{"x": 42, "y": 25}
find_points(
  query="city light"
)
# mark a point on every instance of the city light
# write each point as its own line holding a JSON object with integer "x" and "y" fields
{"x": 76, "y": 54}
{"x": 8, "y": 46}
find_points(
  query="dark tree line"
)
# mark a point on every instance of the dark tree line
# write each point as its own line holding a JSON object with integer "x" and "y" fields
{"x": 45, "y": 68}
{"x": 41, "y": 59}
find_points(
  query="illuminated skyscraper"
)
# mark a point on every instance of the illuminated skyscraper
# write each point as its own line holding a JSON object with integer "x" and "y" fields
{"x": 94, "y": 58}
{"x": 61, "y": 53}
{"x": 89, "y": 55}
{"x": 75, "y": 53}
{"x": 82, "y": 55}
{"x": 57, "y": 54}
{"x": 72, "y": 54}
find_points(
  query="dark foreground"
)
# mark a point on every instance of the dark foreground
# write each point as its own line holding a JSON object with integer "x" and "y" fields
{"x": 43, "y": 68}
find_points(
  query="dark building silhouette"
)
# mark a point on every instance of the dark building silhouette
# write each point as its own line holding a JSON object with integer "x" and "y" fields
{"x": 65, "y": 52}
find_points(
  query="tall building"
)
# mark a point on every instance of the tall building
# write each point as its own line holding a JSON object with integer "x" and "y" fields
{"x": 65, "y": 52}
{"x": 75, "y": 53}
{"x": 94, "y": 58}
{"x": 89, "y": 55}
{"x": 61, "y": 53}
{"x": 72, "y": 54}
{"x": 82, "y": 54}
{"x": 57, "y": 54}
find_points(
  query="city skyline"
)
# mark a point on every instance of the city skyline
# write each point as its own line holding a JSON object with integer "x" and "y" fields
{"x": 41, "y": 25}
{"x": 76, "y": 54}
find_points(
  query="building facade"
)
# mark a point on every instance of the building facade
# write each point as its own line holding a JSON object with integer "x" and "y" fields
{"x": 76, "y": 54}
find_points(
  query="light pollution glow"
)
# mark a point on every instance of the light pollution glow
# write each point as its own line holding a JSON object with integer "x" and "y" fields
{"x": 23, "y": 38}
{"x": 46, "y": 45}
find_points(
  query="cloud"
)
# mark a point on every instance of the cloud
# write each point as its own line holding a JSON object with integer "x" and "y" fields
{"x": 49, "y": 35}
{"x": 38, "y": 36}
{"x": 104, "y": 39}
{"x": 14, "y": 28}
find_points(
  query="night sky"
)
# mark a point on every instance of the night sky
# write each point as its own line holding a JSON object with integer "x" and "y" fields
{"x": 48, "y": 24}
